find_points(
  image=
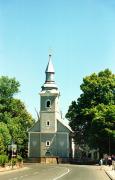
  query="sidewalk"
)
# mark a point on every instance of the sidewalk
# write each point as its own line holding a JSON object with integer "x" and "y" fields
{"x": 8, "y": 169}
{"x": 110, "y": 172}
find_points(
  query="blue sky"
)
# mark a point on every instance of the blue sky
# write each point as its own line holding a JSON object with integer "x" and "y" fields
{"x": 81, "y": 34}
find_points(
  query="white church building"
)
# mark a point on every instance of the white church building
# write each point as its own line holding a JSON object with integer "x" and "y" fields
{"x": 49, "y": 137}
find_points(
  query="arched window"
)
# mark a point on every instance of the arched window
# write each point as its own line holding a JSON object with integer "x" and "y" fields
{"x": 47, "y": 123}
{"x": 48, "y": 103}
{"x": 47, "y": 143}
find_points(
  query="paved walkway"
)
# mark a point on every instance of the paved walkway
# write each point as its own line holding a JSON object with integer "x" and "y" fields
{"x": 10, "y": 169}
{"x": 110, "y": 172}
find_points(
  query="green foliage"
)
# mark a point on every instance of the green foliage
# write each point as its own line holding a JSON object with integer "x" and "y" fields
{"x": 14, "y": 118}
{"x": 5, "y": 137}
{"x": 2, "y": 147}
{"x": 92, "y": 117}
{"x": 19, "y": 158}
{"x": 13, "y": 161}
{"x": 8, "y": 87}
{"x": 3, "y": 160}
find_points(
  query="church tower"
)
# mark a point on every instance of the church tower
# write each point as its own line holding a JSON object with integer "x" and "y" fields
{"x": 49, "y": 137}
{"x": 49, "y": 101}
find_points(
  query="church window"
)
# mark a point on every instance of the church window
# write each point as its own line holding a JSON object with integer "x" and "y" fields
{"x": 47, "y": 123}
{"x": 48, "y": 103}
{"x": 47, "y": 143}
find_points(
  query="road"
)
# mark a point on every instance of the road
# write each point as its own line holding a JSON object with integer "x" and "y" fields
{"x": 55, "y": 172}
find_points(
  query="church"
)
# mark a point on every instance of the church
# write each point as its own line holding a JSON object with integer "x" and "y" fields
{"x": 50, "y": 138}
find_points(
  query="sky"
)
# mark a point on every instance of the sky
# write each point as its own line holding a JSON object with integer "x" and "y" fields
{"x": 80, "y": 34}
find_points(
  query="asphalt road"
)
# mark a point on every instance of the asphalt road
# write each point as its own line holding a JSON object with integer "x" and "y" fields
{"x": 85, "y": 173}
{"x": 55, "y": 172}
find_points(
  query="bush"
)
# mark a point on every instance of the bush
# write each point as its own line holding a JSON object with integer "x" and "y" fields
{"x": 19, "y": 158}
{"x": 13, "y": 161}
{"x": 3, "y": 160}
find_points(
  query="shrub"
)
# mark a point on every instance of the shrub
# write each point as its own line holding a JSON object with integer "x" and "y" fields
{"x": 3, "y": 160}
{"x": 19, "y": 158}
{"x": 13, "y": 161}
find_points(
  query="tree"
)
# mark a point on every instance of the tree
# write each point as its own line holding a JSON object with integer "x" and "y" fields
{"x": 14, "y": 118}
{"x": 8, "y": 87}
{"x": 92, "y": 117}
{"x": 5, "y": 137}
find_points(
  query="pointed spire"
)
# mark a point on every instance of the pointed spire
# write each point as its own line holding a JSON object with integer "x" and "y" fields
{"x": 49, "y": 82}
{"x": 50, "y": 71}
{"x": 50, "y": 68}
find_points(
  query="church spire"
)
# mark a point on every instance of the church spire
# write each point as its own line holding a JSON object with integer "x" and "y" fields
{"x": 50, "y": 68}
{"x": 50, "y": 71}
{"x": 49, "y": 81}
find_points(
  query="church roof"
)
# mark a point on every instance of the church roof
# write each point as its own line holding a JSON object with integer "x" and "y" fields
{"x": 50, "y": 68}
{"x": 65, "y": 125}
